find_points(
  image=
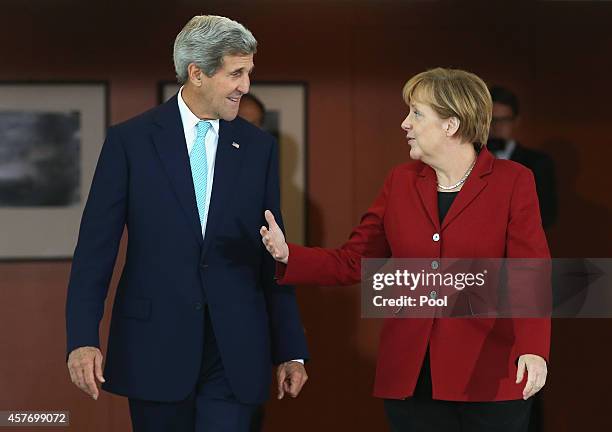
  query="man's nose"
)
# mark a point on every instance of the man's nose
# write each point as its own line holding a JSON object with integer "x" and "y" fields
{"x": 245, "y": 84}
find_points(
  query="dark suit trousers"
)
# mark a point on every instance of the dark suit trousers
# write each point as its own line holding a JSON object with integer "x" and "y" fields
{"x": 210, "y": 407}
{"x": 421, "y": 413}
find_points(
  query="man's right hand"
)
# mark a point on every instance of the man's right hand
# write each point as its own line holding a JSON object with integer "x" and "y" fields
{"x": 85, "y": 365}
{"x": 274, "y": 239}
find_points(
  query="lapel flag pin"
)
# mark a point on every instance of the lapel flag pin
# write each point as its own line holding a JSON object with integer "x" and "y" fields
{"x": 235, "y": 144}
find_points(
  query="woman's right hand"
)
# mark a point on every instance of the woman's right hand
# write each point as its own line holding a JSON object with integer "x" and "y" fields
{"x": 274, "y": 239}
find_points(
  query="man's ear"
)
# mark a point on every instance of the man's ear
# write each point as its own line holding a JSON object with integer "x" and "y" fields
{"x": 451, "y": 126}
{"x": 195, "y": 75}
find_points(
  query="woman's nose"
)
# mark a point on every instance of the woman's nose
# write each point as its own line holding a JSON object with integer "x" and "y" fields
{"x": 406, "y": 124}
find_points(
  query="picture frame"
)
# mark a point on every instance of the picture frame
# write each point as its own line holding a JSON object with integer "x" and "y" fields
{"x": 286, "y": 105}
{"x": 51, "y": 134}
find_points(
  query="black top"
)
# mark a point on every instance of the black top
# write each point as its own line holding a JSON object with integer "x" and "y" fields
{"x": 423, "y": 386}
{"x": 445, "y": 199}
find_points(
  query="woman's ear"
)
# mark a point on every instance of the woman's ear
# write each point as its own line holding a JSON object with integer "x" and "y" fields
{"x": 451, "y": 126}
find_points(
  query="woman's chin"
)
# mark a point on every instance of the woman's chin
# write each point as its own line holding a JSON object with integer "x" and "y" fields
{"x": 415, "y": 154}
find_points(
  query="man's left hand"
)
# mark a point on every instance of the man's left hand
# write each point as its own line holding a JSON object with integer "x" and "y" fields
{"x": 536, "y": 373}
{"x": 291, "y": 377}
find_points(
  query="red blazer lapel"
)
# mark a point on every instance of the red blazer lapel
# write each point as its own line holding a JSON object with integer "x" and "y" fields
{"x": 427, "y": 190}
{"x": 472, "y": 187}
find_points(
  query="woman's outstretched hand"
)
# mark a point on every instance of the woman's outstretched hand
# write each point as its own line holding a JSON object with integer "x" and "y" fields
{"x": 274, "y": 239}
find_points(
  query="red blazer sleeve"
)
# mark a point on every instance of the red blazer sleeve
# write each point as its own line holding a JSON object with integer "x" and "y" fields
{"x": 526, "y": 239}
{"x": 342, "y": 266}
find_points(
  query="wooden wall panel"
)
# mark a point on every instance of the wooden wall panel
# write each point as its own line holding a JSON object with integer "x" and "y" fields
{"x": 355, "y": 57}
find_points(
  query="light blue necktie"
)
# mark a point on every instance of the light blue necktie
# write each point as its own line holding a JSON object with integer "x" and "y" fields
{"x": 199, "y": 168}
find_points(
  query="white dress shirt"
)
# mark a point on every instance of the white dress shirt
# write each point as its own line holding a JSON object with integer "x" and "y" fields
{"x": 506, "y": 153}
{"x": 190, "y": 121}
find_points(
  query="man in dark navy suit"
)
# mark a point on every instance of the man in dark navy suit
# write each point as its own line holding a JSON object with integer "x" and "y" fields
{"x": 504, "y": 146}
{"x": 198, "y": 318}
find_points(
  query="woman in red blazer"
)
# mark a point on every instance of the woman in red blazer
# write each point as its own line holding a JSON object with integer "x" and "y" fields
{"x": 455, "y": 201}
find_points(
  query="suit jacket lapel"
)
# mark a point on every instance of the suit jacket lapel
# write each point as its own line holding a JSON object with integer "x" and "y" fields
{"x": 518, "y": 154}
{"x": 227, "y": 168}
{"x": 170, "y": 144}
{"x": 426, "y": 188}
{"x": 472, "y": 187}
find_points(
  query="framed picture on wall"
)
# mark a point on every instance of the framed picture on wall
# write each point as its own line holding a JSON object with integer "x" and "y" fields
{"x": 51, "y": 134}
{"x": 285, "y": 118}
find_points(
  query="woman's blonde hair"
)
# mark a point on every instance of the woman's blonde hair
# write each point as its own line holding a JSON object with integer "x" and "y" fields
{"x": 455, "y": 93}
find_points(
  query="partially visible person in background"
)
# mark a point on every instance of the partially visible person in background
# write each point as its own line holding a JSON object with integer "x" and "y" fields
{"x": 252, "y": 110}
{"x": 503, "y": 145}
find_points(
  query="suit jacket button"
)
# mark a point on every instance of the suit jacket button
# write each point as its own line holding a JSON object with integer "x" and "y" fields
{"x": 433, "y": 295}
{"x": 435, "y": 265}
{"x": 436, "y": 237}
{"x": 198, "y": 306}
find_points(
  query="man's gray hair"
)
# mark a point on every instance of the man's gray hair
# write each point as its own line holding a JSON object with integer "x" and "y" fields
{"x": 205, "y": 39}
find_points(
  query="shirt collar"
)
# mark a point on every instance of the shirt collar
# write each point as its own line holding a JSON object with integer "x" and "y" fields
{"x": 189, "y": 119}
{"x": 506, "y": 153}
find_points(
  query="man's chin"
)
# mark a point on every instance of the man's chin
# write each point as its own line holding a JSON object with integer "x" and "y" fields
{"x": 229, "y": 116}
